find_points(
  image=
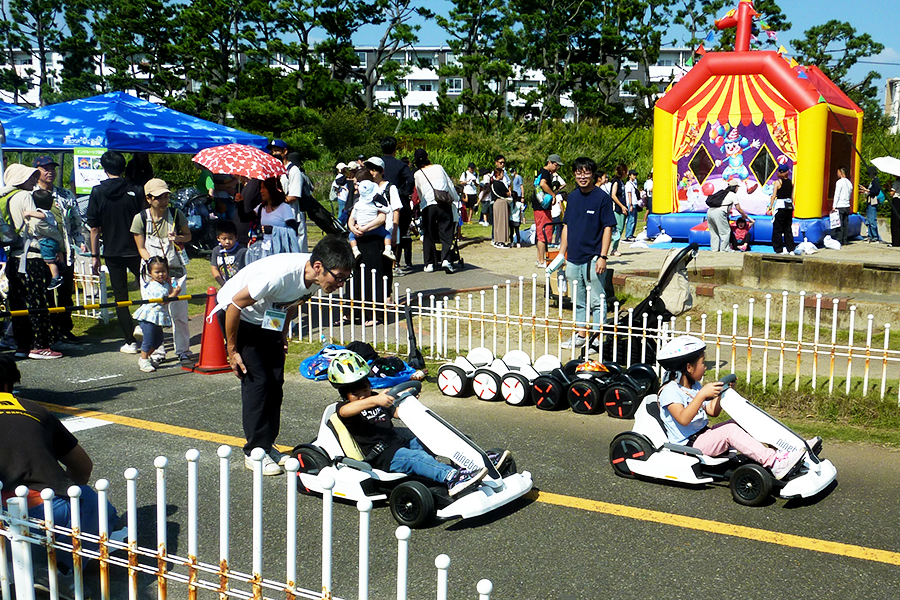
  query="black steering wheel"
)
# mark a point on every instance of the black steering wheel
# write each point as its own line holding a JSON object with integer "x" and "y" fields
{"x": 401, "y": 391}
{"x": 729, "y": 379}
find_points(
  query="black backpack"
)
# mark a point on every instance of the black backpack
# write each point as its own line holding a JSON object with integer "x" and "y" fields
{"x": 715, "y": 200}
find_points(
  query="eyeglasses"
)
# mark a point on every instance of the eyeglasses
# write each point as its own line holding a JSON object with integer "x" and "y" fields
{"x": 584, "y": 174}
{"x": 338, "y": 278}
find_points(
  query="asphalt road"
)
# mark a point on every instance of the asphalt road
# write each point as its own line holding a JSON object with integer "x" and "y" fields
{"x": 583, "y": 534}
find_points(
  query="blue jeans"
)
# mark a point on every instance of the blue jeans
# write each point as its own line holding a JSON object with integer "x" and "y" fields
{"x": 586, "y": 275}
{"x": 153, "y": 336}
{"x": 872, "y": 223}
{"x": 414, "y": 459}
{"x": 631, "y": 222}
{"x": 62, "y": 516}
{"x": 617, "y": 232}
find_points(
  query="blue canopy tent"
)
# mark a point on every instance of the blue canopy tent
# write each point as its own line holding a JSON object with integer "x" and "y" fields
{"x": 117, "y": 121}
{"x": 9, "y": 111}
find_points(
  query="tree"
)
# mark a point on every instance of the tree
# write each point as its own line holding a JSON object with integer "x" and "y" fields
{"x": 835, "y": 48}
{"x": 10, "y": 79}
{"x": 699, "y": 16}
{"x": 394, "y": 76}
{"x": 34, "y": 28}
{"x": 79, "y": 76}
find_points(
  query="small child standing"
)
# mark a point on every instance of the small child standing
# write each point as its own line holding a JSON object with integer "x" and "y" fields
{"x": 370, "y": 215}
{"x": 155, "y": 283}
{"x": 517, "y": 211}
{"x": 228, "y": 257}
{"x": 42, "y": 225}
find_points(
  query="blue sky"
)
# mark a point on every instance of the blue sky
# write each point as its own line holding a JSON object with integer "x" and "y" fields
{"x": 866, "y": 16}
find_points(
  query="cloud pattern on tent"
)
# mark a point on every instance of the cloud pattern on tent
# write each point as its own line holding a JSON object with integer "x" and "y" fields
{"x": 125, "y": 123}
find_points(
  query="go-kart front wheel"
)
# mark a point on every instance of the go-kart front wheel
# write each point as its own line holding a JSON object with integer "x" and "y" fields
{"x": 412, "y": 504}
{"x": 751, "y": 484}
{"x": 312, "y": 460}
{"x": 628, "y": 445}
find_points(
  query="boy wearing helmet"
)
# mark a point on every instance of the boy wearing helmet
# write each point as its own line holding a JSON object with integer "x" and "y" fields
{"x": 367, "y": 417}
{"x": 688, "y": 404}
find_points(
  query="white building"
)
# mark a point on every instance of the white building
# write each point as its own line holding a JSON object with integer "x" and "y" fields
{"x": 892, "y": 103}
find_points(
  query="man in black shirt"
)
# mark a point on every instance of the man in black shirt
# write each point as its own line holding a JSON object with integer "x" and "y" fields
{"x": 398, "y": 173}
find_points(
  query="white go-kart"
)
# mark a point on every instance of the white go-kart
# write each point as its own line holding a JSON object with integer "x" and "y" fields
{"x": 645, "y": 452}
{"x": 414, "y": 501}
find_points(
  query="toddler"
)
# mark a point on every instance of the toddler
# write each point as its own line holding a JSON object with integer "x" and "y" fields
{"x": 370, "y": 215}
{"x": 228, "y": 257}
{"x": 740, "y": 234}
{"x": 155, "y": 283}
{"x": 42, "y": 226}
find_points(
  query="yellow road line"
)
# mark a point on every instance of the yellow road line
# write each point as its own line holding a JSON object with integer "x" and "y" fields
{"x": 630, "y": 512}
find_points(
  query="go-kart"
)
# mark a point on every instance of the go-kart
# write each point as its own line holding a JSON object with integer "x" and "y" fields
{"x": 414, "y": 501}
{"x": 455, "y": 379}
{"x": 645, "y": 452}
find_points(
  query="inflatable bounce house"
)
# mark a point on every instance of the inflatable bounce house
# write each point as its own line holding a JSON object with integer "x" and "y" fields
{"x": 737, "y": 116}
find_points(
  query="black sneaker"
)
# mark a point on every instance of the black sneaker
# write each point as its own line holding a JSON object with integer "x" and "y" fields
{"x": 55, "y": 282}
{"x": 498, "y": 458}
{"x": 465, "y": 479}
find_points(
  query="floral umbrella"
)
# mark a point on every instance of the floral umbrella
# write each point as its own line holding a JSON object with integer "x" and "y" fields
{"x": 238, "y": 159}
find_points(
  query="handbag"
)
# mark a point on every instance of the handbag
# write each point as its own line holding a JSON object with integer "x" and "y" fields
{"x": 440, "y": 196}
{"x": 834, "y": 219}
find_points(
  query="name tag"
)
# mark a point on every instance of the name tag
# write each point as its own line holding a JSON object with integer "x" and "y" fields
{"x": 274, "y": 320}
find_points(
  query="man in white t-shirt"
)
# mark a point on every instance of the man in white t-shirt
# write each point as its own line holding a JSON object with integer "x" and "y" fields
{"x": 843, "y": 194}
{"x": 254, "y": 308}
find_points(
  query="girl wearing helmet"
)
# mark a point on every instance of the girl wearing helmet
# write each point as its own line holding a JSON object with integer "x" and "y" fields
{"x": 687, "y": 405}
{"x": 367, "y": 417}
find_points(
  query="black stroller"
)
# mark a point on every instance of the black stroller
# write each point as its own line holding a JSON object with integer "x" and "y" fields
{"x": 670, "y": 297}
{"x": 195, "y": 206}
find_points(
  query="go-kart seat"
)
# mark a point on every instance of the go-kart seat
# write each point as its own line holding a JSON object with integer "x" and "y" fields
{"x": 348, "y": 444}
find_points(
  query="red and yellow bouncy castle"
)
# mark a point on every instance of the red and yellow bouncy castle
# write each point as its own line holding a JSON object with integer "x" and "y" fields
{"x": 736, "y": 116}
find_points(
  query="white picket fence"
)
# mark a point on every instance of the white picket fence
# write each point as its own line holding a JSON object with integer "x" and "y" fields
{"x": 189, "y": 572}
{"x": 797, "y": 336}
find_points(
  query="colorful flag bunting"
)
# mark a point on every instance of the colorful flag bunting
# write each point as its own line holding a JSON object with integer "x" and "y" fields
{"x": 700, "y": 50}
{"x": 689, "y": 62}
{"x": 802, "y": 75}
{"x": 772, "y": 35}
{"x": 794, "y": 63}
{"x": 782, "y": 50}
{"x": 710, "y": 37}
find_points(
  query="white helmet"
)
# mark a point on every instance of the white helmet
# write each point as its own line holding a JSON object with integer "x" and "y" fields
{"x": 679, "y": 352}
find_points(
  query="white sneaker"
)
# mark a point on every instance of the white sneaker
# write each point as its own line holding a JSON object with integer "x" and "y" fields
{"x": 387, "y": 252}
{"x": 784, "y": 251}
{"x": 428, "y": 269}
{"x": 269, "y": 466}
{"x": 785, "y": 461}
{"x": 131, "y": 348}
{"x": 145, "y": 365}
{"x": 576, "y": 341}
{"x": 159, "y": 354}
{"x": 356, "y": 252}
{"x": 138, "y": 333}
{"x": 278, "y": 457}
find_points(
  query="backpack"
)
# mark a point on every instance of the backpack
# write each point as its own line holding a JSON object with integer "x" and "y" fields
{"x": 716, "y": 199}
{"x": 545, "y": 201}
{"x": 9, "y": 235}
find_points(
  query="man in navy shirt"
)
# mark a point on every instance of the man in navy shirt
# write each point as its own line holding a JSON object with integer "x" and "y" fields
{"x": 586, "y": 237}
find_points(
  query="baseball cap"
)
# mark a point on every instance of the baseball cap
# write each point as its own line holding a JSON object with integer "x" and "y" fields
{"x": 555, "y": 158}
{"x": 44, "y": 161}
{"x": 783, "y": 168}
{"x": 156, "y": 187}
{"x": 277, "y": 144}
{"x": 340, "y": 166}
{"x": 375, "y": 161}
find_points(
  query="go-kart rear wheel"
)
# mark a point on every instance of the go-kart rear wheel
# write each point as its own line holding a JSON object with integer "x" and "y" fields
{"x": 548, "y": 393}
{"x": 486, "y": 385}
{"x": 312, "y": 460}
{"x": 412, "y": 504}
{"x": 621, "y": 401}
{"x": 515, "y": 389}
{"x": 628, "y": 445}
{"x": 645, "y": 376}
{"x": 452, "y": 381}
{"x": 751, "y": 484}
{"x": 585, "y": 397}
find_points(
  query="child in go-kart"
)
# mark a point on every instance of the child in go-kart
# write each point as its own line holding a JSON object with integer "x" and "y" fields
{"x": 367, "y": 417}
{"x": 687, "y": 405}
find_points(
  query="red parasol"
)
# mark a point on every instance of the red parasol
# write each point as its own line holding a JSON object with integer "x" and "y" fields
{"x": 239, "y": 159}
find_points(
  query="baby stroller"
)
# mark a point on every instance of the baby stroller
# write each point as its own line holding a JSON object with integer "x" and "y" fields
{"x": 670, "y": 297}
{"x": 195, "y": 206}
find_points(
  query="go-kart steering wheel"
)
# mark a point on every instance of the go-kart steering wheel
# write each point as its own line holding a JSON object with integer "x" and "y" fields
{"x": 401, "y": 391}
{"x": 729, "y": 379}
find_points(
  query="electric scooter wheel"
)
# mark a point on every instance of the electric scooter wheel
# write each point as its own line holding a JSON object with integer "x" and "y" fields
{"x": 751, "y": 484}
{"x": 452, "y": 381}
{"x": 312, "y": 460}
{"x": 412, "y": 504}
{"x": 515, "y": 389}
{"x": 548, "y": 393}
{"x": 628, "y": 445}
{"x": 621, "y": 401}
{"x": 486, "y": 385}
{"x": 585, "y": 397}
{"x": 646, "y": 377}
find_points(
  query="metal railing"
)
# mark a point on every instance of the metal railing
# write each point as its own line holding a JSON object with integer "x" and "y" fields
{"x": 90, "y": 289}
{"x": 187, "y": 571}
{"x": 797, "y": 340}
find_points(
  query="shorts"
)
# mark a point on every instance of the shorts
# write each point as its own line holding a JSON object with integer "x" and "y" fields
{"x": 471, "y": 200}
{"x": 542, "y": 217}
{"x": 379, "y": 231}
{"x": 49, "y": 249}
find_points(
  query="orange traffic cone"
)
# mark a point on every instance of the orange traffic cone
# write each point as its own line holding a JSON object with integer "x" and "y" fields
{"x": 213, "y": 358}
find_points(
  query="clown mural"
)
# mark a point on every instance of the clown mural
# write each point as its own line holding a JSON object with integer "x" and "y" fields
{"x": 733, "y": 145}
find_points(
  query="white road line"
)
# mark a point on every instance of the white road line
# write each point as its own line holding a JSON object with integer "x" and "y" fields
{"x": 89, "y": 380}
{"x": 75, "y": 424}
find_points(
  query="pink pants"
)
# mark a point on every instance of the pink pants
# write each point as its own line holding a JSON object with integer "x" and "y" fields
{"x": 727, "y": 435}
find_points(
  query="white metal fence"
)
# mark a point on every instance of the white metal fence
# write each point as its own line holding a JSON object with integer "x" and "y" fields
{"x": 90, "y": 289}
{"x": 19, "y": 534}
{"x": 796, "y": 340}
